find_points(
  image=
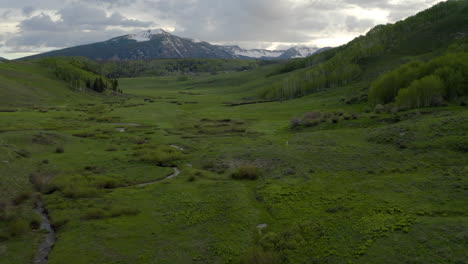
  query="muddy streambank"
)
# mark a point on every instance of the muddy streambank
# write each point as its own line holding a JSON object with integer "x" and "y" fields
{"x": 48, "y": 243}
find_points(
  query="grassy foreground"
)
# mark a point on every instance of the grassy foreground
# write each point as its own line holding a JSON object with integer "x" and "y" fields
{"x": 356, "y": 187}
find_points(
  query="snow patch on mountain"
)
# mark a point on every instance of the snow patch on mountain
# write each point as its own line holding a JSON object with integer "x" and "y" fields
{"x": 145, "y": 35}
{"x": 255, "y": 53}
{"x": 305, "y": 51}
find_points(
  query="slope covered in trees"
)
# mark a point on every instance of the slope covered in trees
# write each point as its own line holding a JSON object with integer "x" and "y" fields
{"x": 78, "y": 73}
{"x": 425, "y": 35}
{"x": 139, "y": 68}
{"x": 418, "y": 84}
{"x": 49, "y": 80}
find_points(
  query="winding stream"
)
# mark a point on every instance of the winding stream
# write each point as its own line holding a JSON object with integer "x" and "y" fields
{"x": 176, "y": 172}
{"x": 46, "y": 246}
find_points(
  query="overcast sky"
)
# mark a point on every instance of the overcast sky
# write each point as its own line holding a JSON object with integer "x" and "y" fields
{"x": 32, "y": 26}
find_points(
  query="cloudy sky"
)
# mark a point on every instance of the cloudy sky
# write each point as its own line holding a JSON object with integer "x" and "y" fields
{"x": 32, "y": 26}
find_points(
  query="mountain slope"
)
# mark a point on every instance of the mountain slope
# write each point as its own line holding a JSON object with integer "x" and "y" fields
{"x": 45, "y": 81}
{"x": 159, "y": 44}
{"x": 428, "y": 34}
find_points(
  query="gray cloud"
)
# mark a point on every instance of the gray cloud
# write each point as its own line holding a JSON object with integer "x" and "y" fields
{"x": 78, "y": 24}
{"x": 242, "y": 20}
{"x": 251, "y": 23}
{"x": 6, "y": 14}
{"x": 113, "y": 2}
{"x": 354, "y": 24}
{"x": 27, "y": 10}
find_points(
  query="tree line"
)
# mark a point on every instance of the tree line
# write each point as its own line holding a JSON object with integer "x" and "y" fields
{"x": 421, "y": 84}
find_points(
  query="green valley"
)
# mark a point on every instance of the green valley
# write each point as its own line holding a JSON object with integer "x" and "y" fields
{"x": 357, "y": 154}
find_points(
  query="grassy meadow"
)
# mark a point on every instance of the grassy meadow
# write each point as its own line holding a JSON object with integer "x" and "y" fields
{"x": 349, "y": 186}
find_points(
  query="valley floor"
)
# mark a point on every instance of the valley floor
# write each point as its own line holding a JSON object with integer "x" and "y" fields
{"x": 374, "y": 188}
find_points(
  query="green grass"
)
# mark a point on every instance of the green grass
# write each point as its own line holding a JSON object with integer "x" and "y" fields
{"x": 381, "y": 188}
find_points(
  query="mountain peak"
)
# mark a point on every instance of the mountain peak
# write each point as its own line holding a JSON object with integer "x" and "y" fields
{"x": 146, "y": 35}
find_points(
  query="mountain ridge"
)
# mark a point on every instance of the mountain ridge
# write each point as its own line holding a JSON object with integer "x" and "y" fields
{"x": 160, "y": 44}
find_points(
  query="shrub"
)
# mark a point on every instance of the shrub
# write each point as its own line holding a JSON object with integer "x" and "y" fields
{"x": 94, "y": 213}
{"x": 21, "y": 198}
{"x": 59, "y": 150}
{"x": 104, "y": 182}
{"x": 260, "y": 256}
{"x": 74, "y": 191}
{"x": 23, "y": 153}
{"x": 18, "y": 227}
{"x": 113, "y": 148}
{"x": 41, "y": 181}
{"x": 160, "y": 156}
{"x": 182, "y": 78}
{"x": 58, "y": 222}
{"x": 246, "y": 172}
{"x": 311, "y": 119}
{"x": 379, "y": 108}
{"x": 35, "y": 222}
{"x": 115, "y": 212}
{"x": 295, "y": 122}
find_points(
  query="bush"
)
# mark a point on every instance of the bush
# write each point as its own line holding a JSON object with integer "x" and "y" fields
{"x": 161, "y": 156}
{"x": 104, "y": 182}
{"x": 58, "y": 222}
{"x": 94, "y": 213}
{"x": 59, "y": 150}
{"x": 74, "y": 191}
{"x": 115, "y": 212}
{"x": 294, "y": 122}
{"x": 41, "y": 181}
{"x": 260, "y": 256}
{"x": 21, "y": 198}
{"x": 35, "y": 222}
{"x": 311, "y": 119}
{"x": 18, "y": 227}
{"x": 379, "y": 108}
{"x": 182, "y": 78}
{"x": 247, "y": 172}
{"x": 23, "y": 153}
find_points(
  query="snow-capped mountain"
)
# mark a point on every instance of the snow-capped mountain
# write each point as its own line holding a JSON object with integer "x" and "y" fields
{"x": 159, "y": 44}
{"x": 252, "y": 53}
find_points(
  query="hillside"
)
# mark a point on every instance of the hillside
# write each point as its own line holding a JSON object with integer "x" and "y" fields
{"x": 433, "y": 32}
{"x": 160, "y": 44}
{"x": 45, "y": 82}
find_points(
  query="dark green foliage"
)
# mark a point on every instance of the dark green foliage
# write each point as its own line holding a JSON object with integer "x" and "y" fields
{"x": 163, "y": 67}
{"x": 80, "y": 73}
{"x": 246, "y": 172}
{"x": 315, "y": 118}
{"x": 21, "y": 198}
{"x": 419, "y": 84}
{"x": 59, "y": 150}
{"x": 421, "y": 93}
{"x": 260, "y": 256}
{"x": 18, "y": 227}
